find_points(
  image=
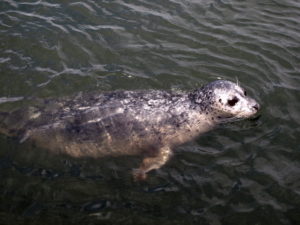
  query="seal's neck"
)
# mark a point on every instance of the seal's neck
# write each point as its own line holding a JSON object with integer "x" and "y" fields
{"x": 199, "y": 118}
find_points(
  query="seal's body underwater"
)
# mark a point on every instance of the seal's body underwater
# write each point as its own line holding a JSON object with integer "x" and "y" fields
{"x": 129, "y": 122}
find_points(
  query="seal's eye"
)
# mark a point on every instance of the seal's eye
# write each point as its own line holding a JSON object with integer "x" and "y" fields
{"x": 233, "y": 101}
{"x": 245, "y": 93}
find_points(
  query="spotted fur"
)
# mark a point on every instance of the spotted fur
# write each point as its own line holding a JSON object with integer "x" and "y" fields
{"x": 149, "y": 122}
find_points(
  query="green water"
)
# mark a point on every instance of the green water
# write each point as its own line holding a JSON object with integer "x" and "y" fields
{"x": 243, "y": 173}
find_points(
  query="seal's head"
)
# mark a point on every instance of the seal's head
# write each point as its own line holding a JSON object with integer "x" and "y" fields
{"x": 225, "y": 100}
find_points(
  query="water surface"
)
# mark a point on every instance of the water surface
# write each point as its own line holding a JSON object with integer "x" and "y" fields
{"x": 242, "y": 173}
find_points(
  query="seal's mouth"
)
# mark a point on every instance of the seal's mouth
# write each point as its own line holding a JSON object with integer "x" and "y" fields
{"x": 255, "y": 117}
{"x": 251, "y": 116}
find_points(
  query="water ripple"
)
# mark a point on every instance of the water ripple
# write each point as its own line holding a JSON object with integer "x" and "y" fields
{"x": 241, "y": 172}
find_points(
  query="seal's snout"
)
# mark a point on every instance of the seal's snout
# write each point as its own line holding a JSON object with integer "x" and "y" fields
{"x": 256, "y": 106}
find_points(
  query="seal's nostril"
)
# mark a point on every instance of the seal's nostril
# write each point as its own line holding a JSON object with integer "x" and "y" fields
{"x": 256, "y": 107}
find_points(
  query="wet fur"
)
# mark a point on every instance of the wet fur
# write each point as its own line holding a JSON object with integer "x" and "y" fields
{"x": 122, "y": 122}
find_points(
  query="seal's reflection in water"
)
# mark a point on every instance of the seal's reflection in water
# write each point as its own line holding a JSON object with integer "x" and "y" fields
{"x": 43, "y": 185}
{"x": 31, "y": 160}
{"x": 149, "y": 123}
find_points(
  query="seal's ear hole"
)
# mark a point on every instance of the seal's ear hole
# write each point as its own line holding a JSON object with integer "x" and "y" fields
{"x": 233, "y": 101}
{"x": 220, "y": 100}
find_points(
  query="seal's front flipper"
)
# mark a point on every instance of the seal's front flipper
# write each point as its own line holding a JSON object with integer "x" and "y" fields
{"x": 152, "y": 163}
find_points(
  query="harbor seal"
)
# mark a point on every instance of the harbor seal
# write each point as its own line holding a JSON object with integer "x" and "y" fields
{"x": 149, "y": 123}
